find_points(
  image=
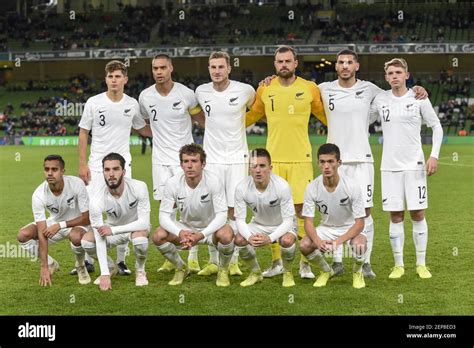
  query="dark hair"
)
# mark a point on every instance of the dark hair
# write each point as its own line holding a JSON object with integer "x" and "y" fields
{"x": 114, "y": 157}
{"x": 192, "y": 149}
{"x": 162, "y": 56}
{"x": 55, "y": 158}
{"x": 348, "y": 53}
{"x": 284, "y": 49}
{"x": 261, "y": 152}
{"x": 329, "y": 149}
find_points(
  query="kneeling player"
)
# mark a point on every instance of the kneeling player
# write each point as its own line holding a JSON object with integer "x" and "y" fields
{"x": 65, "y": 198}
{"x": 201, "y": 202}
{"x": 127, "y": 205}
{"x": 269, "y": 198}
{"x": 339, "y": 200}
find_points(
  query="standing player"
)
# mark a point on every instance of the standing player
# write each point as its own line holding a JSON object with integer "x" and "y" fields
{"x": 269, "y": 198}
{"x": 109, "y": 117}
{"x": 340, "y": 202}
{"x": 403, "y": 164}
{"x": 126, "y": 203}
{"x": 347, "y": 103}
{"x": 225, "y": 103}
{"x": 65, "y": 198}
{"x": 169, "y": 106}
{"x": 288, "y": 103}
{"x": 201, "y": 201}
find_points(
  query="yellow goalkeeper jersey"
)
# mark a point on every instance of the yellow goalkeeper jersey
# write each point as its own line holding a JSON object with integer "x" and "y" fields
{"x": 288, "y": 110}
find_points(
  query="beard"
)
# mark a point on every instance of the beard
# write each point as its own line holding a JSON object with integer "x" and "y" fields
{"x": 114, "y": 186}
{"x": 285, "y": 74}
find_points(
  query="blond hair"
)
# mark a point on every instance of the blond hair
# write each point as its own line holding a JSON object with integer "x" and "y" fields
{"x": 220, "y": 54}
{"x": 398, "y": 62}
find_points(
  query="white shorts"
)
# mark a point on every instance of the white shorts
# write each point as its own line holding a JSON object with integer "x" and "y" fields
{"x": 97, "y": 181}
{"x": 161, "y": 173}
{"x": 330, "y": 233}
{"x": 409, "y": 186}
{"x": 63, "y": 233}
{"x": 231, "y": 175}
{"x": 206, "y": 240}
{"x": 257, "y": 228}
{"x": 363, "y": 174}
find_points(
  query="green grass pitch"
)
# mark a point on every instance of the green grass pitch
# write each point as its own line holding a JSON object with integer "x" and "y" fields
{"x": 450, "y": 249}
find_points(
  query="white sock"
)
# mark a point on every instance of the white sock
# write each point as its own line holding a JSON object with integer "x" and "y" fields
{"x": 316, "y": 258}
{"x": 89, "y": 259}
{"x": 193, "y": 253}
{"x": 288, "y": 255}
{"x": 89, "y": 248}
{"x": 169, "y": 251}
{"x": 337, "y": 254}
{"x": 213, "y": 254}
{"x": 225, "y": 254}
{"x": 359, "y": 259}
{"x": 79, "y": 254}
{"x": 122, "y": 250}
{"x": 369, "y": 231}
{"x": 420, "y": 238}
{"x": 235, "y": 255}
{"x": 397, "y": 240}
{"x": 249, "y": 256}
{"x": 140, "y": 248}
{"x": 31, "y": 247}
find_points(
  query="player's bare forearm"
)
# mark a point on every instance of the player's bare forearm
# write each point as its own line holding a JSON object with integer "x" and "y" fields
{"x": 43, "y": 243}
{"x": 251, "y": 117}
{"x": 82, "y": 146}
{"x": 310, "y": 230}
{"x": 199, "y": 118}
{"x": 352, "y": 232}
{"x": 82, "y": 220}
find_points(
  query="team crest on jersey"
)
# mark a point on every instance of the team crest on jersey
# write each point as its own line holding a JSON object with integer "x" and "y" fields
{"x": 233, "y": 101}
{"x": 127, "y": 112}
{"x": 204, "y": 198}
{"x": 133, "y": 204}
{"x": 409, "y": 107}
{"x": 344, "y": 201}
{"x": 178, "y": 105}
{"x": 359, "y": 94}
{"x": 299, "y": 96}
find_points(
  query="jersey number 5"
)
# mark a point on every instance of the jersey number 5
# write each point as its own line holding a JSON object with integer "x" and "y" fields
{"x": 331, "y": 104}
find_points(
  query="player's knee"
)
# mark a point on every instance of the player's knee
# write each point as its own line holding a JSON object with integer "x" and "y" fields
{"x": 87, "y": 245}
{"x": 287, "y": 240}
{"x": 397, "y": 216}
{"x": 225, "y": 235}
{"x": 417, "y": 215}
{"x": 140, "y": 245}
{"x": 305, "y": 246}
{"x": 75, "y": 236}
{"x": 159, "y": 237}
{"x": 239, "y": 240}
{"x": 23, "y": 235}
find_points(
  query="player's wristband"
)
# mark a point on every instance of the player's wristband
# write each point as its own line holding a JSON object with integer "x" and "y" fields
{"x": 63, "y": 224}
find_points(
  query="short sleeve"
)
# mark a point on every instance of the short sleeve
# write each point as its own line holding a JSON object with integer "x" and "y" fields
{"x": 309, "y": 206}
{"x": 250, "y": 96}
{"x": 137, "y": 122}
{"x": 87, "y": 116}
{"x": 219, "y": 200}
{"x": 168, "y": 201}
{"x": 287, "y": 206}
{"x": 142, "y": 107}
{"x": 427, "y": 113}
{"x": 82, "y": 196}
{"x": 357, "y": 202}
{"x": 37, "y": 203}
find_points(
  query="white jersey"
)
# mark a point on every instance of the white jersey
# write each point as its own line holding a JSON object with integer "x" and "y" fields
{"x": 402, "y": 118}
{"x": 170, "y": 121}
{"x": 111, "y": 124}
{"x": 198, "y": 206}
{"x": 128, "y": 213}
{"x": 348, "y": 114}
{"x": 70, "y": 204}
{"x": 339, "y": 208}
{"x": 225, "y": 139}
{"x": 269, "y": 207}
